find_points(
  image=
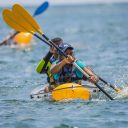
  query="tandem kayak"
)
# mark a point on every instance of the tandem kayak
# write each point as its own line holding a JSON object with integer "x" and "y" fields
{"x": 68, "y": 91}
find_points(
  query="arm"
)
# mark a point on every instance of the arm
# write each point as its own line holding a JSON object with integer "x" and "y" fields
{"x": 93, "y": 78}
{"x": 47, "y": 59}
{"x": 55, "y": 68}
{"x": 43, "y": 63}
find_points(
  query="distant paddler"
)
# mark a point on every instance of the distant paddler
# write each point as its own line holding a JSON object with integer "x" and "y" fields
{"x": 8, "y": 40}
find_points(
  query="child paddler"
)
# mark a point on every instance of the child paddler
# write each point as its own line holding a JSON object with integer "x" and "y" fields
{"x": 44, "y": 64}
{"x": 63, "y": 70}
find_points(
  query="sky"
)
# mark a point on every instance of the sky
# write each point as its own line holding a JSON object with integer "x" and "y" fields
{"x": 54, "y": 2}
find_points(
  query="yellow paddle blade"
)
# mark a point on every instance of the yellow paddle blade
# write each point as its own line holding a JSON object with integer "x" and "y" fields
{"x": 118, "y": 90}
{"x": 11, "y": 21}
{"x": 70, "y": 91}
{"x": 25, "y": 18}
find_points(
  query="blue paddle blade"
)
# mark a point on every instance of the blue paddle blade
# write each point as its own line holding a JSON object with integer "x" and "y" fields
{"x": 41, "y": 8}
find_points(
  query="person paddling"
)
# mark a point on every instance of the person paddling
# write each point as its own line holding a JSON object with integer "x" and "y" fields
{"x": 8, "y": 40}
{"x": 44, "y": 65}
{"x": 64, "y": 72}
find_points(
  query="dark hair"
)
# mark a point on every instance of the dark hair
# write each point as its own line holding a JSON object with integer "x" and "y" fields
{"x": 57, "y": 40}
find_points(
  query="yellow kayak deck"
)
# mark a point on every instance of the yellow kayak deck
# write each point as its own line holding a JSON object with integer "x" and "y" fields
{"x": 70, "y": 91}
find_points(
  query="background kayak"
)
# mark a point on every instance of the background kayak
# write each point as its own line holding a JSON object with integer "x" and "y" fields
{"x": 23, "y": 38}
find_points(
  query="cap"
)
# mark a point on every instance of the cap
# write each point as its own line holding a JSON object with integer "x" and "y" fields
{"x": 65, "y": 46}
{"x": 57, "y": 40}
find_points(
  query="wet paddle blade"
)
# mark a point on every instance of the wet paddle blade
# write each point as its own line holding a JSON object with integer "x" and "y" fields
{"x": 123, "y": 94}
{"x": 10, "y": 20}
{"x": 25, "y": 18}
{"x": 43, "y": 7}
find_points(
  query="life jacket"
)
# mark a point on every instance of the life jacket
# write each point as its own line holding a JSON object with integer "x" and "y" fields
{"x": 44, "y": 68}
{"x": 67, "y": 75}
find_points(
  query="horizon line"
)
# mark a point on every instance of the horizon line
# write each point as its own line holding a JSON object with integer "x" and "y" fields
{"x": 66, "y": 3}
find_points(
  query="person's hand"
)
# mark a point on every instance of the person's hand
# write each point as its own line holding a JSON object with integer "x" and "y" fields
{"x": 69, "y": 59}
{"x": 93, "y": 79}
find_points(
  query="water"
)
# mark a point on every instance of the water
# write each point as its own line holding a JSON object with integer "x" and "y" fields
{"x": 99, "y": 35}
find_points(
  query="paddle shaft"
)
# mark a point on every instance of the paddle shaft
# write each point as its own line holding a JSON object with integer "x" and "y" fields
{"x": 116, "y": 89}
{"x": 42, "y": 39}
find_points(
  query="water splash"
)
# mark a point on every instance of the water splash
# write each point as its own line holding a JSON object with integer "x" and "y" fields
{"x": 123, "y": 94}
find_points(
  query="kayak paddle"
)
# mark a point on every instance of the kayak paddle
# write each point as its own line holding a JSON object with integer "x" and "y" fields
{"x": 26, "y": 23}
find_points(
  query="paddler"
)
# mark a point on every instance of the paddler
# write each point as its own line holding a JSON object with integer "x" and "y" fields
{"x": 44, "y": 65}
{"x": 64, "y": 71}
{"x": 8, "y": 40}
{"x": 17, "y": 38}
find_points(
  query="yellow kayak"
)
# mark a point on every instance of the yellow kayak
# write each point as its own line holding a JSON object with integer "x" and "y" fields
{"x": 68, "y": 91}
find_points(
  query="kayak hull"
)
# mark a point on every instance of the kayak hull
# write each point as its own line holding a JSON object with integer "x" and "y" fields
{"x": 68, "y": 91}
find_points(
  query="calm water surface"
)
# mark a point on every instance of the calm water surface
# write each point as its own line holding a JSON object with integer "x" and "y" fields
{"x": 99, "y": 34}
